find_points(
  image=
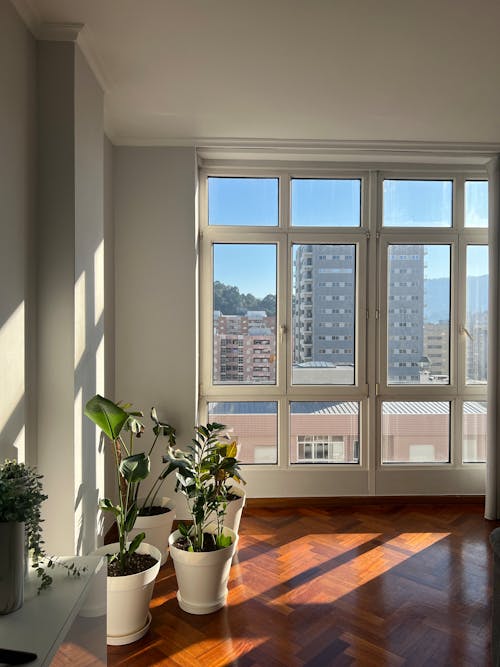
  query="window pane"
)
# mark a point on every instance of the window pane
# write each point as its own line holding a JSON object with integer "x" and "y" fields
{"x": 417, "y": 203}
{"x": 324, "y": 432}
{"x": 476, "y": 204}
{"x": 415, "y": 432}
{"x": 254, "y": 424}
{"x": 477, "y": 315}
{"x": 243, "y": 201}
{"x": 326, "y": 202}
{"x": 418, "y": 314}
{"x": 244, "y": 318}
{"x": 323, "y": 314}
{"x": 474, "y": 432}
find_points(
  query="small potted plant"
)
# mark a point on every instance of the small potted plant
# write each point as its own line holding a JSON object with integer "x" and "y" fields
{"x": 202, "y": 552}
{"x": 21, "y": 498}
{"x": 132, "y": 564}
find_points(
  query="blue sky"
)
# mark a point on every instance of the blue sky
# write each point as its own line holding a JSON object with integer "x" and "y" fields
{"x": 326, "y": 202}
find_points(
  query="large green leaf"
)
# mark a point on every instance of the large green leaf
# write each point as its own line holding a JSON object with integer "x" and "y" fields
{"x": 135, "y": 468}
{"x": 108, "y": 416}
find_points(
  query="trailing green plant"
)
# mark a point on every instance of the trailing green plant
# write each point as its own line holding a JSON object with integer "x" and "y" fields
{"x": 21, "y": 498}
{"x": 131, "y": 468}
{"x": 202, "y": 473}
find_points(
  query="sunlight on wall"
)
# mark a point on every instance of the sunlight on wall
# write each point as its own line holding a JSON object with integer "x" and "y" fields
{"x": 99, "y": 368}
{"x": 20, "y": 445}
{"x": 12, "y": 370}
{"x": 99, "y": 282}
{"x": 80, "y": 338}
{"x": 78, "y": 464}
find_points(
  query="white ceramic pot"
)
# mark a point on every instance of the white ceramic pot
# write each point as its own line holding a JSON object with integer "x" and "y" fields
{"x": 202, "y": 576}
{"x": 234, "y": 508}
{"x": 157, "y": 529}
{"x": 128, "y": 598}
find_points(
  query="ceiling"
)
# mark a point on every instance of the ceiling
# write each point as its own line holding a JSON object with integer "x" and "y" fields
{"x": 201, "y": 71}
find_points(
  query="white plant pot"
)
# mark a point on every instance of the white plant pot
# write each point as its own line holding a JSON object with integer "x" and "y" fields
{"x": 234, "y": 509}
{"x": 157, "y": 529}
{"x": 128, "y": 598}
{"x": 202, "y": 576}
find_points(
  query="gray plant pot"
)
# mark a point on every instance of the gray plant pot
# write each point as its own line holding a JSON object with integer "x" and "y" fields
{"x": 11, "y": 566}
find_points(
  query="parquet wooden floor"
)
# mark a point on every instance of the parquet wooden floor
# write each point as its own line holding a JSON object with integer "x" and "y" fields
{"x": 370, "y": 586}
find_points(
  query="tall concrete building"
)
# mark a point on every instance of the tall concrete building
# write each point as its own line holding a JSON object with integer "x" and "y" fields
{"x": 324, "y": 308}
{"x": 324, "y": 304}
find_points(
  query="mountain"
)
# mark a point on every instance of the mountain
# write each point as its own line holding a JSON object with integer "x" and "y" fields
{"x": 437, "y": 297}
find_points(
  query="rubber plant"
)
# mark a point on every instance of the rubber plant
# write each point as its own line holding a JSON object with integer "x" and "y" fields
{"x": 122, "y": 427}
{"x": 201, "y": 475}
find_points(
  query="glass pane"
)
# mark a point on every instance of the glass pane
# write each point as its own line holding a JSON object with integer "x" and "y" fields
{"x": 254, "y": 424}
{"x": 324, "y": 432}
{"x": 326, "y": 202}
{"x": 415, "y": 432}
{"x": 244, "y": 318}
{"x": 417, "y": 203}
{"x": 476, "y": 204}
{"x": 476, "y": 352}
{"x": 243, "y": 201}
{"x": 474, "y": 427}
{"x": 323, "y": 314}
{"x": 418, "y": 314}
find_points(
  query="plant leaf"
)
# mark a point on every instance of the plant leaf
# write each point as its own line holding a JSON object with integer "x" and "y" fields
{"x": 108, "y": 416}
{"x": 135, "y": 468}
{"x": 134, "y": 545}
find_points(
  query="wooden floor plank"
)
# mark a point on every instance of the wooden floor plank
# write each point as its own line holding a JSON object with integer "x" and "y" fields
{"x": 383, "y": 585}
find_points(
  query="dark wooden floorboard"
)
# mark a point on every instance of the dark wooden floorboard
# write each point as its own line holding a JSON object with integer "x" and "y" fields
{"x": 331, "y": 587}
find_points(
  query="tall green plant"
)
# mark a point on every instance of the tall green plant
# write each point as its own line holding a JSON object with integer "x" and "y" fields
{"x": 115, "y": 421}
{"x": 201, "y": 476}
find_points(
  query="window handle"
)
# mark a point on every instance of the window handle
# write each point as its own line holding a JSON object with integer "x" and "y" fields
{"x": 463, "y": 330}
{"x": 283, "y": 332}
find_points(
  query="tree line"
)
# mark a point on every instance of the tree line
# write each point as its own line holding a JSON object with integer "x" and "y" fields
{"x": 230, "y": 301}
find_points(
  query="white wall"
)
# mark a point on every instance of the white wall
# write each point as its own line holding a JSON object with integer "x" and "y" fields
{"x": 70, "y": 291}
{"x": 155, "y": 262}
{"x": 17, "y": 215}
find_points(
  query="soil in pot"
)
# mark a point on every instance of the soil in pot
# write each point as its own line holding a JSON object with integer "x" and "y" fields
{"x": 232, "y": 496}
{"x": 136, "y": 563}
{"x": 208, "y": 543}
{"x": 154, "y": 510}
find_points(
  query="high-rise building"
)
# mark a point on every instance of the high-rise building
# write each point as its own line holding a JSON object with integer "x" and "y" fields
{"x": 405, "y": 319}
{"x": 324, "y": 304}
{"x": 244, "y": 348}
{"x": 324, "y": 308}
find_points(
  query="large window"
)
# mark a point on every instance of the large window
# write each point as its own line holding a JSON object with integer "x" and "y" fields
{"x": 344, "y": 326}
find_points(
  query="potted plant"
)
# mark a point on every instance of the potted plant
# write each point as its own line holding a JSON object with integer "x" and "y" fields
{"x": 132, "y": 564}
{"x": 202, "y": 552}
{"x": 155, "y": 514}
{"x": 21, "y": 498}
{"x": 234, "y": 494}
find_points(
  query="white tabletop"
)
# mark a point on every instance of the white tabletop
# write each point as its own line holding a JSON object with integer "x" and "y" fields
{"x": 43, "y": 621}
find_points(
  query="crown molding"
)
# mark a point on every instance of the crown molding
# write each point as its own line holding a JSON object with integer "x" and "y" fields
{"x": 59, "y": 32}
{"x": 29, "y": 14}
{"x": 62, "y": 32}
{"x": 86, "y": 44}
{"x": 474, "y": 153}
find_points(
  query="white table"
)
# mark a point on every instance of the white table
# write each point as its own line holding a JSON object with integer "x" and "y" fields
{"x": 56, "y": 619}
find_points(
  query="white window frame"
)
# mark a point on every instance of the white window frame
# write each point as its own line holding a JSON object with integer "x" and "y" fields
{"x": 370, "y": 388}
